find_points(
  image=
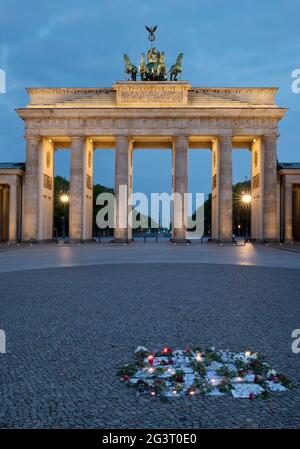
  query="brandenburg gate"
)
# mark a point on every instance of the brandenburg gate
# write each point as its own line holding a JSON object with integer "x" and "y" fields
{"x": 150, "y": 114}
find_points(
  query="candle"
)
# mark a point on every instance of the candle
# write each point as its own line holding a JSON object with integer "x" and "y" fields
{"x": 199, "y": 357}
{"x": 150, "y": 359}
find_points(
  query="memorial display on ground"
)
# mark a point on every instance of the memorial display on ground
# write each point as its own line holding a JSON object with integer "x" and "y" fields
{"x": 196, "y": 371}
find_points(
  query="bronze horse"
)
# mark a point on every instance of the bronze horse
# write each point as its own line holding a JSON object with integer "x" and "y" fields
{"x": 130, "y": 69}
{"x": 176, "y": 69}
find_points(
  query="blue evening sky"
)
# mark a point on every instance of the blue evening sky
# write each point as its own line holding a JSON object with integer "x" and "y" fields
{"x": 81, "y": 43}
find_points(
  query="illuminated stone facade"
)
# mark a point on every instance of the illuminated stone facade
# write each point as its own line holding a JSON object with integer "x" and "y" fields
{"x": 133, "y": 115}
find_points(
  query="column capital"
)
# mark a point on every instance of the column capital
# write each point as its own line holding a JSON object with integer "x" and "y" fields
{"x": 287, "y": 182}
{"x": 122, "y": 138}
{"x": 270, "y": 137}
{"x": 225, "y": 137}
{"x": 180, "y": 141}
{"x": 33, "y": 138}
{"x": 78, "y": 138}
{"x": 180, "y": 137}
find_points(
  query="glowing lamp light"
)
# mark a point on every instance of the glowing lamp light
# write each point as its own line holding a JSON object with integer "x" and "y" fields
{"x": 247, "y": 353}
{"x": 150, "y": 359}
{"x": 174, "y": 392}
{"x": 213, "y": 381}
{"x": 199, "y": 357}
{"x": 239, "y": 379}
{"x": 64, "y": 198}
{"x": 192, "y": 392}
{"x": 152, "y": 393}
{"x": 246, "y": 198}
{"x": 151, "y": 370}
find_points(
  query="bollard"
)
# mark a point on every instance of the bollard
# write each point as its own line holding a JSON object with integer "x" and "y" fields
{"x": 156, "y": 238}
{"x": 99, "y": 237}
{"x": 145, "y": 239}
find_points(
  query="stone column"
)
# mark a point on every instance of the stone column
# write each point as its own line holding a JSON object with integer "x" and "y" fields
{"x": 122, "y": 187}
{"x": 130, "y": 168}
{"x": 77, "y": 188}
{"x": 46, "y": 189}
{"x": 31, "y": 190}
{"x": 225, "y": 189}
{"x": 180, "y": 186}
{"x": 1, "y": 212}
{"x": 5, "y": 229}
{"x": 270, "y": 216}
{"x": 222, "y": 189}
{"x": 215, "y": 190}
{"x": 288, "y": 211}
{"x": 88, "y": 189}
{"x": 13, "y": 213}
{"x": 257, "y": 188}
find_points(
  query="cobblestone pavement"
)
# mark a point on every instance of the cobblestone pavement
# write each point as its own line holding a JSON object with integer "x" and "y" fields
{"x": 29, "y": 257}
{"x": 69, "y": 329}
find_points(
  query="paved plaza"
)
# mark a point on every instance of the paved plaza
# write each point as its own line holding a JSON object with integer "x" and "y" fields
{"x": 69, "y": 328}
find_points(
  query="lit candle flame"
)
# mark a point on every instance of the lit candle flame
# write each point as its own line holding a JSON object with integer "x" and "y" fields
{"x": 199, "y": 357}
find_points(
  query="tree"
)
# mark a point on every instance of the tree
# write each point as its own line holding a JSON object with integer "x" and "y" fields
{"x": 240, "y": 213}
{"x": 61, "y": 210}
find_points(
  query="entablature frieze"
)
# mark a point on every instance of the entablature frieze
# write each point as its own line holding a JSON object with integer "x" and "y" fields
{"x": 161, "y": 125}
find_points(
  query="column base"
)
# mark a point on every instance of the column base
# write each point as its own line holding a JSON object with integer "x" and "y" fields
{"x": 180, "y": 241}
{"x": 78, "y": 241}
{"x": 223, "y": 241}
{"x": 120, "y": 241}
{"x": 265, "y": 241}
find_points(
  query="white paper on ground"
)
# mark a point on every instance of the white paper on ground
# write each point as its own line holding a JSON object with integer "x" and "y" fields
{"x": 214, "y": 366}
{"x": 243, "y": 390}
{"x": 216, "y": 393}
{"x": 189, "y": 379}
{"x": 275, "y": 386}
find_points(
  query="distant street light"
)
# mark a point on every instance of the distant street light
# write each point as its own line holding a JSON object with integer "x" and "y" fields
{"x": 64, "y": 198}
{"x": 246, "y": 198}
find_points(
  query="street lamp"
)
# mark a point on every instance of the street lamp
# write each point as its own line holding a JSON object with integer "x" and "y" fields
{"x": 246, "y": 198}
{"x": 64, "y": 198}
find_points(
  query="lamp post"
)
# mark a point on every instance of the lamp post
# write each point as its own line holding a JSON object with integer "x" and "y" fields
{"x": 246, "y": 201}
{"x": 64, "y": 200}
